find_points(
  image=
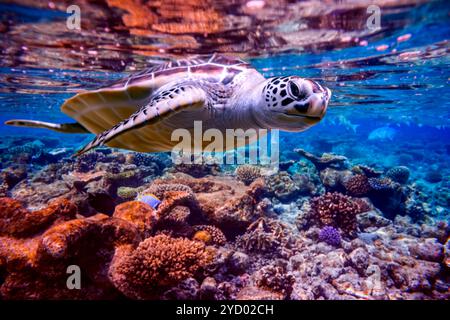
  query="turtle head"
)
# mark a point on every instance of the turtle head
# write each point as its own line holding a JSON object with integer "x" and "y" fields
{"x": 293, "y": 103}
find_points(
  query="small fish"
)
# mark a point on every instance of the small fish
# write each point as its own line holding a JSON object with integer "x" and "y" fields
{"x": 149, "y": 199}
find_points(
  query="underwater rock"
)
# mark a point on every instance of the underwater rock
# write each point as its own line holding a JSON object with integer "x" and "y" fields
{"x": 248, "y": 173}
{"x": 187, "y": 289}
{"x": 359, "y": 259}
{"x": 433, "y": 176}
{"x": 398, "y": 174}
{"x": 327, "y": 160}
{"x": 208, "y": 166}
{"x": 386, "y": 195}
{"x": 238, "y": 262}
{"x": 37, "y": 195}
{"x": 208, "y": 289}
{"x": 371, "y": 220}
{"x": 257, "y": 293}
{"x": 157, "y": 262}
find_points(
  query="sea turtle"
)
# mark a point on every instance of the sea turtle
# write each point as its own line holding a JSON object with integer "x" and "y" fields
{"x": 141, "y": 111}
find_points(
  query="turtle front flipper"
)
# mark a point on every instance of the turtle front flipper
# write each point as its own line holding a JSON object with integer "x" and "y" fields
{"x": 59, "y": 127}
{"x": 163, "y": 104}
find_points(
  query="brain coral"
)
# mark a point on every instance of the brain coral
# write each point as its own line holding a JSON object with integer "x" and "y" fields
{"x": 248, "y": 173}
{"x": 157, "y": 262}
{"x": 336, "y": 209}
{"x": 398, "y": 174}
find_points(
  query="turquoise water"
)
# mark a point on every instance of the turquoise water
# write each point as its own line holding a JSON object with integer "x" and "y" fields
{"x": 396, "y": 79}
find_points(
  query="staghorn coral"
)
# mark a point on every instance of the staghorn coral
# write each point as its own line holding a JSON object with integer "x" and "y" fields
{"x": 247, "y": 173}
{"x": 357, "y": 185}
{"x": 398, "y": 174}
{"x": 158, "y": 262}
{"x": 336, "y": 209}
{"x": 263, "y": 236}
{"x": 209, "y": 235}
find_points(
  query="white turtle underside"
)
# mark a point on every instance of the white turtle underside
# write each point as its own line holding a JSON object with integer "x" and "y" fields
{"x": 101, "y": 109}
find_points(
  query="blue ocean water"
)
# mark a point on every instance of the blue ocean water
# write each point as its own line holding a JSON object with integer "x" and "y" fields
{"x": 395, "y": 81}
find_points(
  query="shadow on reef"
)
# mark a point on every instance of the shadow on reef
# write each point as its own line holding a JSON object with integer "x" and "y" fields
{"x": 320, "y": 228}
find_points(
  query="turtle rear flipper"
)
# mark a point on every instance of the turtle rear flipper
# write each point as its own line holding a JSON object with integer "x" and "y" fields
{"x": 59, "y": 127}
{"x": 162, "y": 105}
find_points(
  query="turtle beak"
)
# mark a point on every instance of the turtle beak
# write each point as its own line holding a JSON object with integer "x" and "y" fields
{"x": 319, "y": 100}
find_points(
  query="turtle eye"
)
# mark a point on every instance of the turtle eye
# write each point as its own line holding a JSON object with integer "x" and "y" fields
{"x": 296, "y": 92}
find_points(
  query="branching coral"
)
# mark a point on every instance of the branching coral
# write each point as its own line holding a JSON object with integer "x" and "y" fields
{"x": 157, "y": 262}
{"x": 336, "y": 209}
{"x": 357, "y": 185}
{"x": 248, "y": 173}
{"x": 263, "y": 236}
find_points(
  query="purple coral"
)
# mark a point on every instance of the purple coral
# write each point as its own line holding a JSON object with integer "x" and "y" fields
{"x": 330, "y": 235}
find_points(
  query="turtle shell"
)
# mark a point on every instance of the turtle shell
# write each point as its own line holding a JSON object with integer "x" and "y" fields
{"x": 99, "y": 110}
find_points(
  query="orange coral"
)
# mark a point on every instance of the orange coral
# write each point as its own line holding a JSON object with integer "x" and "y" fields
{"x": 139, "y": 213}
{"x": 18, "y": 221}
{"x": 157, "y": 262}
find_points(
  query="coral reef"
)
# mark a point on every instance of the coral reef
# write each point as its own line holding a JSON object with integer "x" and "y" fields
{"x": 274, "y": 277}
{"x": 330, "y": 235}
{"x": 398, "y": 174}
{"x": 209, "y": 235}
{"x": 358, "y": 185}
{"x": 263, "y": 236}
{"x": 281, "y": 186}
{"x": 247, "y": 173}
{"x": 324, "y": 228}
{"x": 158, "y": 262}
{"x": 337, "y": 210}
